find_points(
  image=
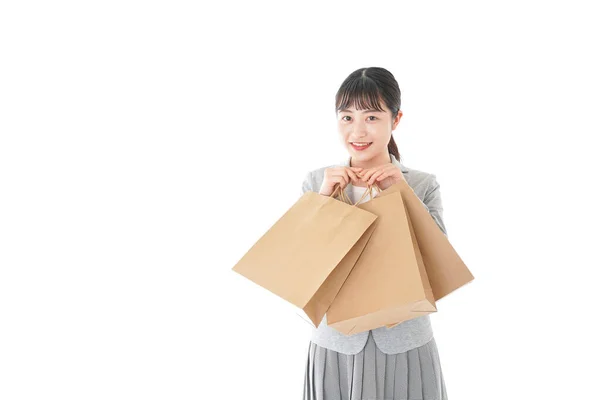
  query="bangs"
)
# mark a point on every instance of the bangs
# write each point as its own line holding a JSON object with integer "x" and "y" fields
{"x": 362, "y": 94}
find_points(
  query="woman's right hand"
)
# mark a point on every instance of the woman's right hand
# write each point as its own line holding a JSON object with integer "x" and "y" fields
{"x": 339, "y": 175}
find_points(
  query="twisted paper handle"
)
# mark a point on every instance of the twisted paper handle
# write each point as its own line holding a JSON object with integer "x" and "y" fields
{"x": 344, "y": 197}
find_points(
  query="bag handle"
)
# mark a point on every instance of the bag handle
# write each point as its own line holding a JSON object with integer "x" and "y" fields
{"x": 344, "y": 197}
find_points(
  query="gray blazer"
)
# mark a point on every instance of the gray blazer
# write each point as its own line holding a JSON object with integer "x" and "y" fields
{"x": 408, "y": 334}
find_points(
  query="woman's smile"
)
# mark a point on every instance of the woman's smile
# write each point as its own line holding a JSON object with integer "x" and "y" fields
{"x": 360, "y": 146}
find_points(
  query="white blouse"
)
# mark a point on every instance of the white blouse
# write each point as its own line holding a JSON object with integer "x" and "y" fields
{"x": 357, "y": 192}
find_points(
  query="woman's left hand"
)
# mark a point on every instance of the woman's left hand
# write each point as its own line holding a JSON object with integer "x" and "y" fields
{"x": 385, "y": 175}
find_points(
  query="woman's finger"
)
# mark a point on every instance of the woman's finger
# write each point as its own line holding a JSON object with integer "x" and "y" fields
{"x": 349, "y": 171}
{"x": 352, "y": 175}
{"x": 375, "y": 176}
{"x": 344, "y": 176}
{"x": 339, "y": 179}
{"x": 383, "y": 176}
{"x": 367, "y": 175}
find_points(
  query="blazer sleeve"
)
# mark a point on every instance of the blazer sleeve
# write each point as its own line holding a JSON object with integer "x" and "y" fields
{"x": 433, "y": 202}
{"x": 307, "y": 184}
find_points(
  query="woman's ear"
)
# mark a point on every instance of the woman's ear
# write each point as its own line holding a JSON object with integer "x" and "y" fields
{"x": 397, "y": 120}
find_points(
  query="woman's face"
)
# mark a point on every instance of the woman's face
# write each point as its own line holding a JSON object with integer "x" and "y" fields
{"x": 367, "y": 126}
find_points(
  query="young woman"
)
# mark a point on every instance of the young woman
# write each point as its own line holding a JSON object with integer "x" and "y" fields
{"x": 398, "y": 363}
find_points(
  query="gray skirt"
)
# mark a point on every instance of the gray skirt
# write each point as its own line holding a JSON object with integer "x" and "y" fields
{"x": 374, "y": 375}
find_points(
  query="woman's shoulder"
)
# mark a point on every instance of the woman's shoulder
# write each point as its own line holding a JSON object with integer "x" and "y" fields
{"x": 418, "y": 177}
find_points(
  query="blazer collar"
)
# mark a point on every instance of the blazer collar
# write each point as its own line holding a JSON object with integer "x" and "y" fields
{"x": 394, "y": 160}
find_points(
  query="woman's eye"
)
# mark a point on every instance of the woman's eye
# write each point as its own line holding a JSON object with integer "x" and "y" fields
{"x": 346, "y": 116}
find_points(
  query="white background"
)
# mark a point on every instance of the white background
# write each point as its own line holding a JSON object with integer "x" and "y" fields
{"x": 145, "y": 146}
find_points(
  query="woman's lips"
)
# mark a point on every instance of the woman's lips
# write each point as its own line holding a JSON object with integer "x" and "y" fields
{"x": 359, "y": 148}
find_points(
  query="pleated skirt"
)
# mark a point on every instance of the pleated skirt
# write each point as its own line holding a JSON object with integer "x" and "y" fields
{"x": 374, "y": 375}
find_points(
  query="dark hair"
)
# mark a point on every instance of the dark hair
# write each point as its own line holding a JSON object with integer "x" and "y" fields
{"x": 365, "y": 88}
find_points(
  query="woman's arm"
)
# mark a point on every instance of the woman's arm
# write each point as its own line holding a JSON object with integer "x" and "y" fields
{"x": 433, "y": 202}
{"x": 306, "y": 185}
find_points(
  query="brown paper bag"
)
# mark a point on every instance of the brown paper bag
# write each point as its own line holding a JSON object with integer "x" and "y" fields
{"x": 306, "y": 256}
{"x": 388, "y": 282}
{"x": 422, "y": 269}
{"x": 445, "y": 269}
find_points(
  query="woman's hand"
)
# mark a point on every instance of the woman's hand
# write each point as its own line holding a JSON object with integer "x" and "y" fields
{"x": 338, "y": 175}
{"x": 385, "y": 175}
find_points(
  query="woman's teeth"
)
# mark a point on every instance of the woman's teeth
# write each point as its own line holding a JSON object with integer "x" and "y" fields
{"x": 360, "y": 146}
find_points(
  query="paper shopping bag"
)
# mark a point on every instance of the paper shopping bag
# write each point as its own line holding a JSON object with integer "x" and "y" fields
{"x": 388, "y": 283}
{"x": 445, "y": 269}
{"x": 416, "y": 313}
{"x": 308, "y": 253}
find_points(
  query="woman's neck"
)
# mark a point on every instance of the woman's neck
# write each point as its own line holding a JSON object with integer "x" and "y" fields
{"x": 372, "y": 162}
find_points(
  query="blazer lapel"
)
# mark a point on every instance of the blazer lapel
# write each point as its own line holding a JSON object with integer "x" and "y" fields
{"x": 394, "y": 160}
